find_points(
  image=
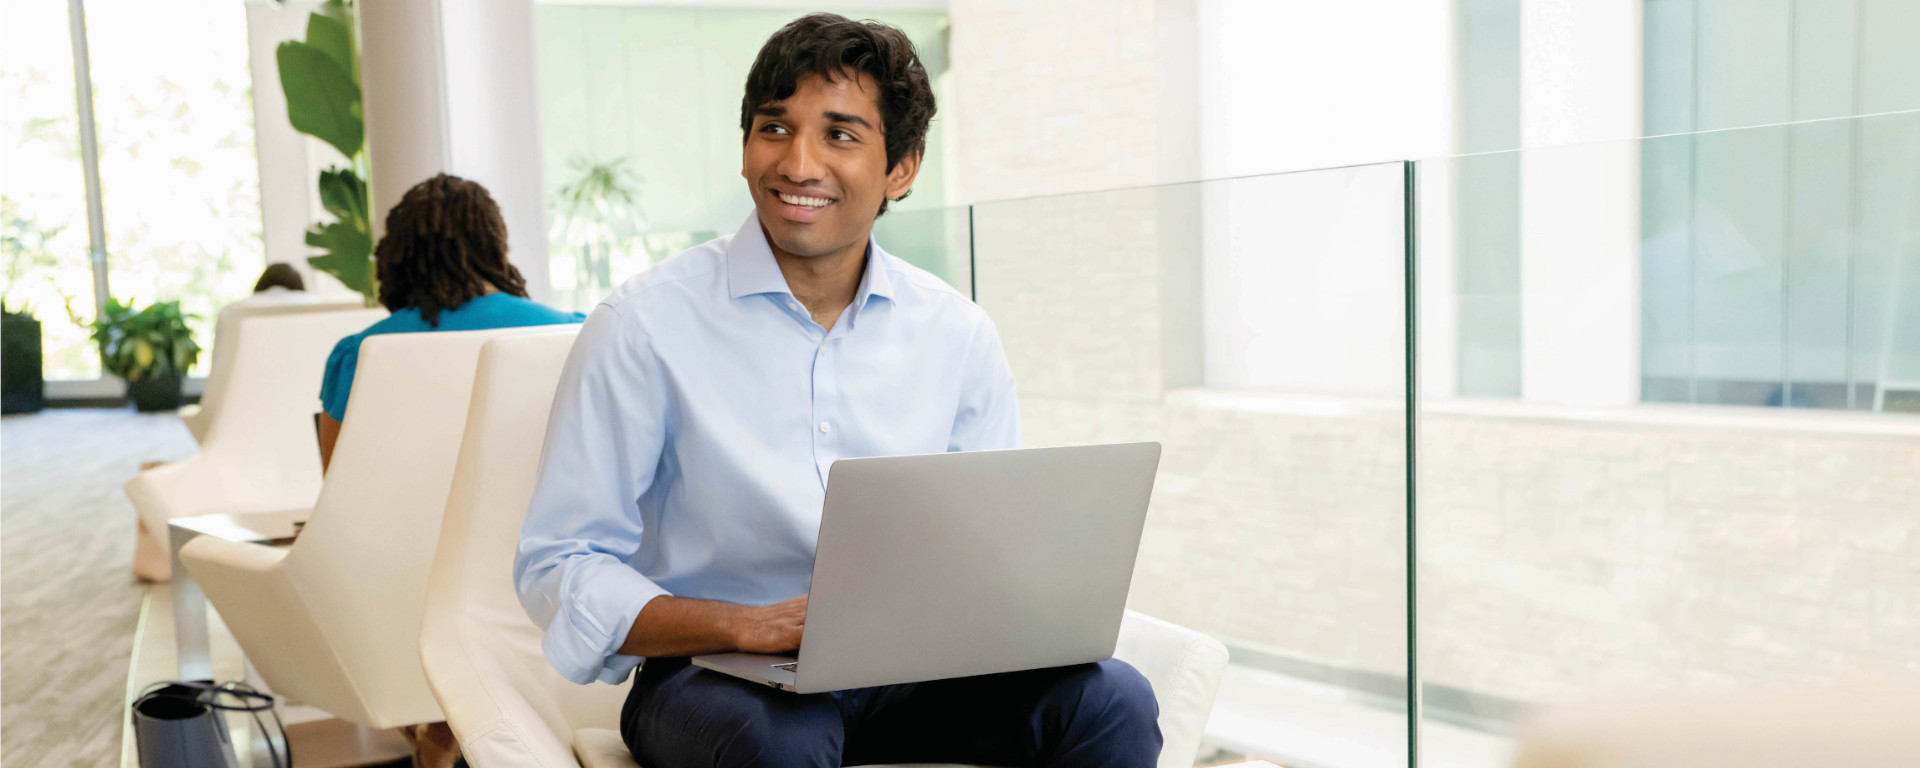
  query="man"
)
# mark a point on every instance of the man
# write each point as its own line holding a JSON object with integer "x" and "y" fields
{"x": 686, "y": 462}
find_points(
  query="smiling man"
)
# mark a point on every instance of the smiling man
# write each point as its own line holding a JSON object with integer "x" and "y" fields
{"x": 686, "y": 461}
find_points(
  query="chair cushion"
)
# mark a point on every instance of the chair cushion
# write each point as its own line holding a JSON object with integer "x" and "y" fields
{"x": 602, "y": 748}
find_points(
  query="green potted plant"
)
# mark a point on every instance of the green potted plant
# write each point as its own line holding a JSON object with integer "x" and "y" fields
{"x": 594, "y": 214}
{"x": 22, "y": 388}
{"x": 151, "y": 348}
{"x": 321, "y": 79}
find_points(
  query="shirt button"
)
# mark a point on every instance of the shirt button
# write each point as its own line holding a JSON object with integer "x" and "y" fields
{"x": 826, "y": 427}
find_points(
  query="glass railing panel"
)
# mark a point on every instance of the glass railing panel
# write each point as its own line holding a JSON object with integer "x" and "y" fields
{"x": 937, "y": 240}
{"x": 1703, "y": 478}
{"x": 1255, "y": 328}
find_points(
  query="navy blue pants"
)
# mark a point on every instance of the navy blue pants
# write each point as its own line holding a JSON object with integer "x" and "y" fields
{"x": 1086, "y": 715}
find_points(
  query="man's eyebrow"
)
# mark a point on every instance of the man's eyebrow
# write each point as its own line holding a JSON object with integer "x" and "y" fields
{"x": 842, "y": 117}
{"x": 770, "y": 110}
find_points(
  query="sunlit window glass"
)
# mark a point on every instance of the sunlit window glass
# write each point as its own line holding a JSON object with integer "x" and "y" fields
{"x": 43, "y": 202}
{"x": 179, "y": 181}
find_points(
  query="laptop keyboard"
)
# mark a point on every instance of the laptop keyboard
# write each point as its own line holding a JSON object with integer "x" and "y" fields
{"x": 789, "y": 666}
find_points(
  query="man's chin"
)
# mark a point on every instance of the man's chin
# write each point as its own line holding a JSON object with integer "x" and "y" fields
{"x": 794, "y": 238}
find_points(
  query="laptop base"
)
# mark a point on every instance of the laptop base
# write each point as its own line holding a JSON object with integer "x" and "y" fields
{"x": 753, "y": 667}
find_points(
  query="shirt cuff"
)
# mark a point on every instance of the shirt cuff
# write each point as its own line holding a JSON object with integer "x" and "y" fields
{"x": 593, "y": 622}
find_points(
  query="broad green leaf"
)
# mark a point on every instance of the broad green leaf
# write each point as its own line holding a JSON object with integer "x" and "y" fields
{"x": 332, "y": 38}
{"x": 322, "y": 100}
{"x": 344, "y": 194}
{"x": 349, "y": 255}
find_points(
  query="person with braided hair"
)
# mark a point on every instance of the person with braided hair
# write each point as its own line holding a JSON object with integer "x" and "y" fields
{"x": 442, "y": 266}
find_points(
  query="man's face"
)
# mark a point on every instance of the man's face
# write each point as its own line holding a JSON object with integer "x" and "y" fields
{"x": 816, "y": 163}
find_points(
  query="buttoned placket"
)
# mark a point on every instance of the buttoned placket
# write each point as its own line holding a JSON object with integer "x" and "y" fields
{"x": 826, "y": 392}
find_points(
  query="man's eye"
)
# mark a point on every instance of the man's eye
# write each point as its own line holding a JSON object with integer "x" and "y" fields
{"x": 840, "y": 135}
{"x": 773, "y": 128}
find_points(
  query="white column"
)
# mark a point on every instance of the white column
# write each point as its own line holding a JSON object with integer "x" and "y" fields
{"x": 449, "y": 87}
{"x": 493, "y": 115}
{"x": 1580, "y": 205}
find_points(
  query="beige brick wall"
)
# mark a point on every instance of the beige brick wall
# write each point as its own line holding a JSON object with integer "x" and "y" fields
{"x": 1052, "y": 97}
{"x": 1562, "y": 560}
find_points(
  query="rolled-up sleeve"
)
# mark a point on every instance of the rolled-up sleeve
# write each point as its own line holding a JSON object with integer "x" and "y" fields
{"x": 603, "y": 445}
{"x": 989, "y": 413}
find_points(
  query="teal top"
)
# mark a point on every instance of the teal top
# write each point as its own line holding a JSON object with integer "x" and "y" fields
{"x": 494, "y": 310}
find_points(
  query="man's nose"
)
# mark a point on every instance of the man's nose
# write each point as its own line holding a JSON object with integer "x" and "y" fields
{"x": 801, "y": 163}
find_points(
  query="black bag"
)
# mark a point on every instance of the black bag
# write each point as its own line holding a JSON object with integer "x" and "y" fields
{"x": 183, "y": 724}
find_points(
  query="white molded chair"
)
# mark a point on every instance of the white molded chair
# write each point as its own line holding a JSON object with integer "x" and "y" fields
{"x": 334, "y": 620}
{"x": 261, "y": 453}
{"x": 200, "y": 416}
{"x": 482, "y": 655}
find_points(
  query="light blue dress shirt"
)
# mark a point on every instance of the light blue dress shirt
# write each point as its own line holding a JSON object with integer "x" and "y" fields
{"x": 696, "y": 420}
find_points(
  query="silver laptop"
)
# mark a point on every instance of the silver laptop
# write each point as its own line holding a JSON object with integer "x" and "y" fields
{"x": 959, "y": 564}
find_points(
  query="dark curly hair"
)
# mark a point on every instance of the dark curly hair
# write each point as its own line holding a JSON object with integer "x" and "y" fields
{"x": 445, "y": 244}
{"x": 834, "y": 46}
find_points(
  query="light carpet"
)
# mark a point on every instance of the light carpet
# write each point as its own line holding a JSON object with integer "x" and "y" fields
{"x": 68, "y": 601}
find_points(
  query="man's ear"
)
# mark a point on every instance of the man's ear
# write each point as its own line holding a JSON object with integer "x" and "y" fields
{"x": 900, "y": 179}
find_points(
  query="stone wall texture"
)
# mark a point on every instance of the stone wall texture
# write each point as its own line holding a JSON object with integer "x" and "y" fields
{"x": 1052, "y": 97}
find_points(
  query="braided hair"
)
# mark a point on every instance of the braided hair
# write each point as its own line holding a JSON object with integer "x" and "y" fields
{"x": 445, "y": 244}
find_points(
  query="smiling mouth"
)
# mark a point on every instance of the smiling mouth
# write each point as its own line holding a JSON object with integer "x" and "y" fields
{"x": 804, "y": 201}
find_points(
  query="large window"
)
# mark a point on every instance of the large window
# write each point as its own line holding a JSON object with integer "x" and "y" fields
{"x": 1771, "y": 261}
{"x": 43, "y": 198}
{"x": 177, "y": 180}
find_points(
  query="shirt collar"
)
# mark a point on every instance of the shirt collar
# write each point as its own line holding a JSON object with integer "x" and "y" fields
{"x": 751, "y": 269}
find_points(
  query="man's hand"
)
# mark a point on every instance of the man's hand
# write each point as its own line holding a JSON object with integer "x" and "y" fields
{"x": 770, "y": 629}
{"x": 678, "y": 626}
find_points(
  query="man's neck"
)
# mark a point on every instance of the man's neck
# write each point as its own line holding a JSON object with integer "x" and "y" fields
{"x": 824, "y": 284}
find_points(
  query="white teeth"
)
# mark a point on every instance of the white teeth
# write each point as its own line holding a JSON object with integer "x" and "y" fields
{"x": 810, "y": 202}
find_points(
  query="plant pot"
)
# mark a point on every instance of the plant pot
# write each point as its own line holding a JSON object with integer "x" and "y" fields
{"x": 156, "y": 391}
{"x": 22, "y": 387}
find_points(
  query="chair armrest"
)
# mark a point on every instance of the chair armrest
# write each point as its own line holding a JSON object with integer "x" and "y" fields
{"x": 169, "y": 491}
{"x": 255, "y": 592}
{"x": 1184, "y": 667}
{"x": 196, "y": 420}
{"x": 197, "y": 486}
{"x": 212, "y": 559}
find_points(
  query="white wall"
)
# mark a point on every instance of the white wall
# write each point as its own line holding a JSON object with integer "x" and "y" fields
{"x": 1304, "y": 275}
{"x": 493, "y": 123}
{"x": 1580, "y": 83}
{"x": 1294, "y": 85}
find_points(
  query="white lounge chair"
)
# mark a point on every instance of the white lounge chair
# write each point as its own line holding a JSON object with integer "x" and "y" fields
{"x": 261, "y": 453}
{"x": 199, "y": 417}
{"x": 482, "y": 655}
{"x": 333, "y": 621}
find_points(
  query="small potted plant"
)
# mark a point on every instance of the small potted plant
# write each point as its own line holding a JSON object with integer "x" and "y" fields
{"x": 22, "y": 388}
{"x": 151, "y": 348}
